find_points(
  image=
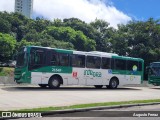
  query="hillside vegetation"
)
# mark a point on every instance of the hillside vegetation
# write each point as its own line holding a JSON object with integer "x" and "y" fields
{"x": 137, "y": 38}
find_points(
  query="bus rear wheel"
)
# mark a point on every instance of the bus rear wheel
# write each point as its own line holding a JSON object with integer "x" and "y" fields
{"x": 98, "y": 86}
{"x": 113, "y": 84}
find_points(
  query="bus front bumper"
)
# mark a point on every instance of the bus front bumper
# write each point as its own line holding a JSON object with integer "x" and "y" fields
{"x": 154, "y": 81}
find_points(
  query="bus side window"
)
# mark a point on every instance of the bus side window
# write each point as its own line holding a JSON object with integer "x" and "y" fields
{"x": 106, "y": 63}
{"x": 73, "y": 60}
{"x": 63, "y": 59}
{"x": 97, "y": 62}
{"x": 93, "y": 62}
{"x": 54, "y": 59}
{"x": 77, "y": 60}
{"x": 131, "y": 64}
{"x": 37, "y": 58}
{"x": 81, "y": 61}
{"x": 120, "y": 64}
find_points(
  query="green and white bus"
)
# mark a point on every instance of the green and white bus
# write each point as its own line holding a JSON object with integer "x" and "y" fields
{"x": 53, "y": 67}
{"x": 153, "y": 71}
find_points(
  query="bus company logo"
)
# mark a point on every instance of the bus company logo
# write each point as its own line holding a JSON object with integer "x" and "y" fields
{"x": 6, "y": 114}
{"x": 92, "y": 73}
{"x": 132, "y": 77}
{"x": 74, "y": 74}
{"x": 109, "y": 71}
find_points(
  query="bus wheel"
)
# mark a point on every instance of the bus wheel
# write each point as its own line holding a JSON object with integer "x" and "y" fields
{"x": 113, "y": 83}
{"x": 98, "y": 86}
{"x": 43, "y": 85}
{"x": 54, "y": 82}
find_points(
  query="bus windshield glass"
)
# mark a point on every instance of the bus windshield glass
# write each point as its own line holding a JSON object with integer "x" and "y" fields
{"x": 155, "y": 71}
{"x": 21, "y": 59}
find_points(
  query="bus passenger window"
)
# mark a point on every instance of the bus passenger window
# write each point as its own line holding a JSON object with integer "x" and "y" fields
{"x": 77, "y": 60}
{"x": 54, "y": 59}
{"x": 120, "y": 64}
{"x": 106, "y": 63}
{"x": 93, "y": 62}
{"x": 37, "y": 57}
{"x": 131, "y": 64}
{"x": 64, "y": 59}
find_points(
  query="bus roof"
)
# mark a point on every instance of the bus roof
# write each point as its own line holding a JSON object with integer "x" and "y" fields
{"x": 155, "y": 62}
{"x": 128, "y": 58}
{"x": 97, "y": 53}
{"x": 104, "y": 53}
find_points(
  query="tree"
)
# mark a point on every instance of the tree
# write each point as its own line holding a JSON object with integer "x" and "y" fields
{"x": 67, "y": 34}
{"x": 23, "y": 43}
{"x": 139, "y": 39}
{"x": 5, "y": 26}
{"x": 103, "y": 35}
{"x": 7, "y": 43}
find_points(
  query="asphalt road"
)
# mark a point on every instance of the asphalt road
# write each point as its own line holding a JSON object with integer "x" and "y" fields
{"x": 120, "y": 113}
{"x": 20, "y": 97}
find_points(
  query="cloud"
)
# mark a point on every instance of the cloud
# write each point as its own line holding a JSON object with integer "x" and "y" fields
{"x": 7, "y": 5}
{"x": 86, "y": 10}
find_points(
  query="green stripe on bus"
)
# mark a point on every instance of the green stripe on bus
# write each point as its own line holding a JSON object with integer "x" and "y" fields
{"x": 54, "y": 69}
{"x": 64, "y": 51}
{"x": 127, "y": 58}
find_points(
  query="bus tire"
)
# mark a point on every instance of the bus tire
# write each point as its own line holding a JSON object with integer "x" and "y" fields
{"x": 113, "y": 84}
{"x": 54, "y": 82}
{"x": 98, "y": 86}
{"x": 43, "y": 85}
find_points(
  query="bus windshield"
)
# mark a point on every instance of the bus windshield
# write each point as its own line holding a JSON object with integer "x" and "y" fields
{"x": 155, "y": 71}
{"x": 21, "y": 58}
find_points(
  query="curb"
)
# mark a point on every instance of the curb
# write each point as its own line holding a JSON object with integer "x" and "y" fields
{"x": 95, "y": 108}
{"x": 87, "y": 109}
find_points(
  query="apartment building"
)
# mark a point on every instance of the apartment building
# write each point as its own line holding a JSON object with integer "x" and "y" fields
{"x": 24, "y": 7}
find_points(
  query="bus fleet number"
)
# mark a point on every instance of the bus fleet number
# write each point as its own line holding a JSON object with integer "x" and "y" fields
{"x": 56, "y": 70}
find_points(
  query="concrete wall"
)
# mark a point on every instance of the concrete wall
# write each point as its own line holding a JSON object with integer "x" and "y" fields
{"x": 6, "y": 80}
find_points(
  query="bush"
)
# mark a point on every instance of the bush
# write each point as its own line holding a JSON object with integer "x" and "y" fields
{"x": 6, "y": 71}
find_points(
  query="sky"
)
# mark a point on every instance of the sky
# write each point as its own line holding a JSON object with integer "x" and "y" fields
{"x": 139, "y": 9}
{"x": 113, "y": 11}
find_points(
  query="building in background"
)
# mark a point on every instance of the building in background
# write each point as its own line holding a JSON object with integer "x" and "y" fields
{"x": 24, "y": 7}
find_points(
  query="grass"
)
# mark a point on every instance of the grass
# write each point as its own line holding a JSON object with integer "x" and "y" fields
{"x": 90, "y": 105}
{"x": 6, "y": 71}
